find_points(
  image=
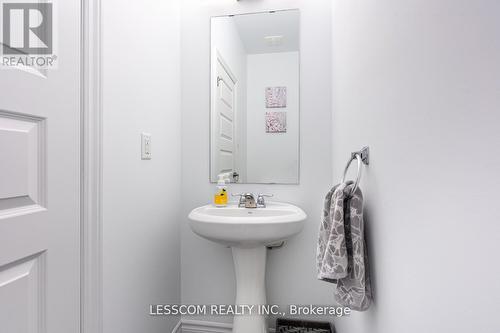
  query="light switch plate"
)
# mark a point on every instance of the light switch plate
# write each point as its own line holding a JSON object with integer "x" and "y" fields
{"x": 145, "y": 146}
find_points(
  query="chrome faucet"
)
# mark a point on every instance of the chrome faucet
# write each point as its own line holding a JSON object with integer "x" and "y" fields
{"x": 247, "y": 200}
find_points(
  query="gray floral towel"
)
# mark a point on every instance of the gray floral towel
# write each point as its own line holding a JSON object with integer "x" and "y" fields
{"x": 341, "y": 253}
{"x": 331, "y": 259}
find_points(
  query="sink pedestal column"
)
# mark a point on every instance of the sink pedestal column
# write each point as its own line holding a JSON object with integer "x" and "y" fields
{"x": 250, "y": 269}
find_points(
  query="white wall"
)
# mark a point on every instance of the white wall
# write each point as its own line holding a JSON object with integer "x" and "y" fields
{"x": 226, "y": 41}
{"x": 207, "y": 268}
{"x": 141, "y": 79}
{"x": 419, "y": 81}
{"x": 272, "y": 157}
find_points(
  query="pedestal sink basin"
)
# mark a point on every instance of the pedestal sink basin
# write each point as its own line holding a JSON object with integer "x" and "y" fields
{"x": 248, "y": 231}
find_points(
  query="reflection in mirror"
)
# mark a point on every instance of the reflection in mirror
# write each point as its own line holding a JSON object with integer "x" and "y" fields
{"x": 254, "y": 134}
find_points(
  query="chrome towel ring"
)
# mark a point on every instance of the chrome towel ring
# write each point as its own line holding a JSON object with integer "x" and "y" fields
{"x": 363, "y": 157}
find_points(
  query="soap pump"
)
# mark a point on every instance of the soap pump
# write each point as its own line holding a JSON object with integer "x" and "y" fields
{"x": 220, "y": 197}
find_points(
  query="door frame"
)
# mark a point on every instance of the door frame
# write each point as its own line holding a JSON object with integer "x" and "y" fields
{"x": 91, "y": 169}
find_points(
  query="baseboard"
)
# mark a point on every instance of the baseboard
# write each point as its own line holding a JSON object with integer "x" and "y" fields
{"x": 201, "y": 326}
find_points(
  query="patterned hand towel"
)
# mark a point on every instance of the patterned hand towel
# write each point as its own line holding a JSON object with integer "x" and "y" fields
{"x": 341, "y": 253}
{"x": 331, "y": 254}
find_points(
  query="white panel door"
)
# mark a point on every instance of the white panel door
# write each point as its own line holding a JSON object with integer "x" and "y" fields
{"x": 225, "y": 121}
{"x": 40, "y": 187}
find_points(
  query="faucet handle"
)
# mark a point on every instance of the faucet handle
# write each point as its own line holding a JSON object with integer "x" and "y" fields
{"x": 241, "y": 200}
{"x": 261, "y": 201}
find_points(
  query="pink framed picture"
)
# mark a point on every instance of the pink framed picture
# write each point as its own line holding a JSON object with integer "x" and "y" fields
{"x": 275, "y": 122}
{"x": 276, "y": 97}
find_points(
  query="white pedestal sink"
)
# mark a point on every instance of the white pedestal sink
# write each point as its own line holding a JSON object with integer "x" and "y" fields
{"x": 247, "y": 231}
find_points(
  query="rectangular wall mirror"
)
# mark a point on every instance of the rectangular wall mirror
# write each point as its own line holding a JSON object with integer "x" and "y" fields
{"x": 254, "y": 108}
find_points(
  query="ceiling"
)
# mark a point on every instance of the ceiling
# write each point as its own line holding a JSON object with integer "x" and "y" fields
{"x": 254, "y": 28}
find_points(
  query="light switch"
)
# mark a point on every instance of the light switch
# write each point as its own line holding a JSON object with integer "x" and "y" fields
{"x": 145, "y": 146}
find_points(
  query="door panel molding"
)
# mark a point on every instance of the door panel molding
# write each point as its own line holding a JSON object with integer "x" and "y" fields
{"x": 91, "y": 214}
{"x": 25, "y": 281}
{"x": 23, "y": 171}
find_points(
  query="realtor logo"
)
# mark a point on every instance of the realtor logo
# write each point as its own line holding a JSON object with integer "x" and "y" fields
{"x": 27, "y": 34}
{"x": 27, "y": 28}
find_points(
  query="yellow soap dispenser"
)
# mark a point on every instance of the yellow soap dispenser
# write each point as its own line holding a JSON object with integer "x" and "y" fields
{"x": 220, "y": 197}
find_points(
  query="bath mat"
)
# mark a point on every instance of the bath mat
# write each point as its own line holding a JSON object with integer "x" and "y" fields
{"x": 301, "y": 326}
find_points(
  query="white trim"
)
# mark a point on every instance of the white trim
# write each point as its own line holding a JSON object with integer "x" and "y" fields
{"x": 91, "y": 169}
{"x": 225, "y": 65}
{"x": 200, "y": 326}
{"x": 177, "y": 328}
